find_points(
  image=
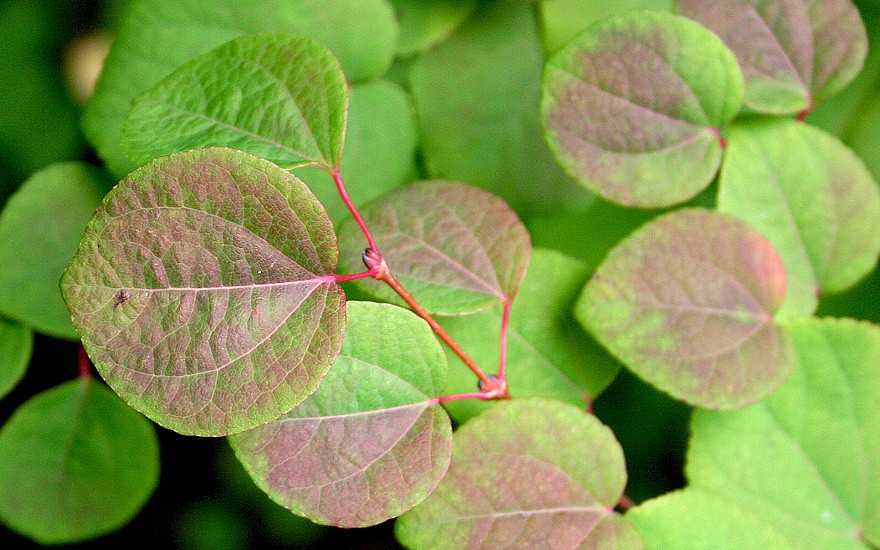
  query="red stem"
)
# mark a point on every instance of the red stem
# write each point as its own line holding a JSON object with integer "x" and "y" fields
{"x": 626, "y": 503}
{"x": 502, "y": 354}
{"x": 340, "y": 186}
{"x": 341, "y": 278}
{"x": 462, "y": 397}
{"x": 84, "y": 364}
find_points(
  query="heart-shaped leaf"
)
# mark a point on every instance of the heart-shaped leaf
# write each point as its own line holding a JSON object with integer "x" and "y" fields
{"x": 798, "y": 470}
{"x": 370, "y": 443}
{"x": 812, "y": 197}
{"x": 793, "y": 53}
{"x": 204, "y": 293}
{"x": 424, "y": 23}
{"x": 455, "y": 247}
{"x": 527, "y": 473}
{"x": 687, "y": 303}
{"x": 282, "y": 97}
{"x": 75, "y": 463}
{"x": 633, "y": 107}
{"x": 16, "y": 344}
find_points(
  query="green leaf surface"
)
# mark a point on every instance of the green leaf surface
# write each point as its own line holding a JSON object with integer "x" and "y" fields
{"x": 369, "y": 444}
{"x": 456, "y": 248}
{"x": 633, "y": 107}
{"x": 40, "y": 229}
{"x": 798, "y": 470}
{"x": 794, "y": 53}
{"x": 204, "y": 293}
{"x": 865, "y": 135}
{"x": 811, "y": 197}
{"x": 527, "y": 473}
{"x": 75, "y": 463}
{"x": 16, "y": 345}
{"x": 477, "y": 96}
{"x": 160, "y": 35}
{"x": 424, "y": 23}
{"x": 281, "y": 97}
{"x": 687, "y": 303}
{"x": 548, "y": 354}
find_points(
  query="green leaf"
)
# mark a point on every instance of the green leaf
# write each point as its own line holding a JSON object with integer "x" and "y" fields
{"x": 527, "y": 473}
{"x": 548, "y": 355}
{"x": 48, "y": 214}
{"x": 477, "y": 97}
{"x": 424, "y": 23}
{"x": 798, "y": 470}
{"x": 866, "y": 134}
{"x": 204, "y": 293}
{"x": 281, "y": 97}
{"x": 456, "y": 248}
{"x": 811, "y": 197}
{"x": 370, "y": 443}
{"x": 16, "y": 345}
{"x": 160, "y": 35}
{"x": 75, "y": 463}
{"x": 687, "y": 303}
{"x": 633, "y": 107}
{"x": 794, "y": 53}
{"x": 380, "y": 148}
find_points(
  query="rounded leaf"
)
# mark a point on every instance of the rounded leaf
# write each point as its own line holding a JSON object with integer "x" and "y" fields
{"x": 633, "y": 107}
{"x": 16, "y": 345}
{"x": 687, "y": 303}
{"x": 424, "y": 23}
{"x": 204, "y": 293}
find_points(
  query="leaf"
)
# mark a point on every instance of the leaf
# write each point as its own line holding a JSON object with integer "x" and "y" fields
{"x": 424, "y": 23}
{"x": 477, "y": 96}
{"x": 75, "y": 463}
{"x": 687, "y": 303}
{"x": 797, "y": 470}
{"x": 865, "y": 136}
{"x": 16, "y": 345}
{"x": 48, "y": 214}
{"x": 380, "y": 148}
{"x": 793, "y": 53}
{"x": 527, "y": 473}
{"x": 204, "y": 293}
{"x": 369, "y": 444}
{"x": 811, "y": 197}
{"x": 548, "y": 355}
{"x": 456, "y": 248}
{"x": 633, "y": 107}
{"x": 160, "y": 35}
{"x": 281, "y": 97}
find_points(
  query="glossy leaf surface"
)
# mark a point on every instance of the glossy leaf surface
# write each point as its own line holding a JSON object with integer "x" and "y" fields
{"x": 456, "y": 248}
{"x": 204, "y": 293}
{"x": 797, "y": 470}
{"x": 16, "y": 344}
{"x": 281, "y": 97}
{"x": 424, "y": 23}
{"x": 48, "y": 214}
{"x": 794, "y": 53}
{"x": 75, "y": 463}
{"x": 633, "y": 107}
{"x": 687, "y": 302}
{"x": 527, "y": 473}
{"x": 368, "y": 445}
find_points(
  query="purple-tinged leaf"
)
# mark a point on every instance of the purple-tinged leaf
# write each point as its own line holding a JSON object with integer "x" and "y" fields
{"x": 634, "y": 105}
{"x": 793, "y": 53}
{"x": 687, "y": 302}
{"x": 527, "y": 473}
{"x": 204, "y": 293}
{"x": 455, "y": 247}
{"x": 369, "y": 444}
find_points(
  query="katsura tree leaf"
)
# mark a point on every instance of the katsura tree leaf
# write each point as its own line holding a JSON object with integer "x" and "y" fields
{"x": 75, "y": 463}
{"x": 456, "y": 248}
{"x": 687, "y": 303}
{"x": 527, "y": 473}
{"x": 799, "y": 469}
{"x": 424, "y": 23}
{"x": 634, "y": 105}
{"x": 481, "y": 125}
{"x": 47, "y": 214}
{"x": 794, "y": 53}
{"x": 16, "y": 344}
{"x": 866, "y": 135}
{"x": 204, "y": 293}
{"x": 370, "y": 443}
{"x": 811, "y": 197}
{"x": 548, "y": 354}
{"x": 281, "y": 97}
{"x": 160, "y": 35}
{"x": 380, "y": 148}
